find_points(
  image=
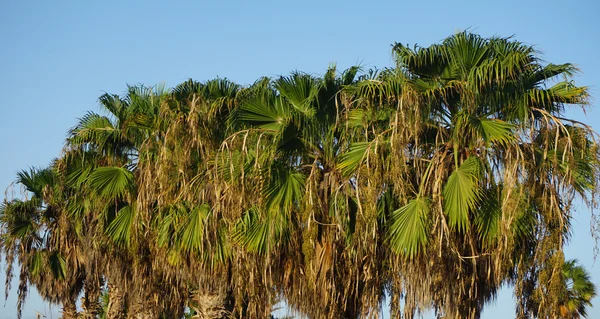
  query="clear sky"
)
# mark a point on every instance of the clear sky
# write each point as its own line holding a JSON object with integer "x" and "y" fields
{"x": 58, "y": 57}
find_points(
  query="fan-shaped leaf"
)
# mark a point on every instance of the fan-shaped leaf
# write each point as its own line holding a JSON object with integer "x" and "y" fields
{"x": 36, "y": 179}
{"x": 93, "y": 129}
{"x": 300, "y": 90}
{"x": 409, "y": 227}
{"x": 58, "y": 265}
{"x": 36, "y": 263}
{"x": 284, "y": 190}
{"x": 119, "y": 230}
{"x": 222, "y": 249}
{"x": 461, "y": 193}
{"x": 492, "y": 130}
{"x": 356, "y": 118}
{"x": 111, "y": 182}
{"x": 351, "y": 160}
{"x": 488, "y": 215}
{"x": 20, "y": 218}
{"x": 580, "y": 289}
{"x": 268, "y": 115}
{"x": 193, "y": 233}
{"x": 252, "y": 232}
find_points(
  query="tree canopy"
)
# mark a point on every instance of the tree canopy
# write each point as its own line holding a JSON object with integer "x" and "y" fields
{"x": 433, "y": 182}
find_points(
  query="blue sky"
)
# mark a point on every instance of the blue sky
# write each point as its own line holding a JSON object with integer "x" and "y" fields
{"x": 58, "y": 57}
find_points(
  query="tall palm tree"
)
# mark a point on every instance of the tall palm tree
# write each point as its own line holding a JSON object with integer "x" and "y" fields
{"x": 36, "y": 233}
{"x": 101, "y": 159}
{"x": 189, "y": 228}
{"x": 469, "y": 115}
{"x": 293, "y": 131}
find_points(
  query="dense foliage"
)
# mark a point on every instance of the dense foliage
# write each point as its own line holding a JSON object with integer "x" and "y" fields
{"x": 433, "y": 183}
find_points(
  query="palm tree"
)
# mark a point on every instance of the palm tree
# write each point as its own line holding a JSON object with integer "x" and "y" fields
{"x": 36, "y": 233}
{"x": 288, "y": 139}
{"x": 101, "y": 159}
{"x": 579, "y": 290}
{"x": 189, "y": 231}
{"x": 469, "y": 116}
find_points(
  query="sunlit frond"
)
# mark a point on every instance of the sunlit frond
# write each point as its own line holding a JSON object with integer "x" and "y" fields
{"x": 409, "y": 228}
{"x": 461, "y": 193}
{"x": 111, "y": 182}
{"x": 120, "y": 228}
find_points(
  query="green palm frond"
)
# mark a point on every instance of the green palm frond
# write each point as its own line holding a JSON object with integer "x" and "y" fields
{"x": 79, "y": 168}
{"x": 569, "y": 93}
{"x": 409, "y": 229}
{"x": 356, "y": 118}
{"x": 233, "y": 165}
{"x": 42, "y": 262}
{"x": 369, "y": 90}
{"x": 580, "y": 289}
{"x": 550, "y": 71}
{"x": 349, "y": 75}
{"x": 285, "y": 189}
{"x": 20, "y": 218}
{"x": 523, "y": 225}
{"x": 94, "y": 129}
{"x": 466, "y": 51}
{"x": 504, "y": 47}
{"x": 166, "y": 222}
{"x": 429, "y": 62}
{"x": 252, "y": 232}
{"x": 143, "y": 100}
{"x": 222, "y": 251}
{"x": 57, "y": 265}
{"x": 193, "y": 233}
{"x": 36, "y": 263}
{"x": 36, "y": 179}
{"x": 578, "y": 168}
{"x": 429, "y": 87}
{"x": 111, "y": 182}
{"x": 185, "y": 92}
{"x": 22, "y": 228}
{"x": 218, "y": 89}
{"x": 493, "y": 130}
{"x": 583, "y": 173}
{"x": 301, "y": 90}
{"x": 268, "y": 115}
{"x": 112, "y": 103}
{"x": 76, "y": 206}
{"x": 120, "y": 228}
{"x": 352, "y": 159}
{"x": 487, "y": 217}
{"x": 461, "y": 193}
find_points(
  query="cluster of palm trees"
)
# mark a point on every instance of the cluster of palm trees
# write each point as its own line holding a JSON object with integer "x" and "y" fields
{"x": 431, "y": 183}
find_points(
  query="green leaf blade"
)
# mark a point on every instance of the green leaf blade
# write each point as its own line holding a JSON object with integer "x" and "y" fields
{"x": 111, "y": 182}
{"x": 409, "y": 229}
{"x": 461, "y": 193}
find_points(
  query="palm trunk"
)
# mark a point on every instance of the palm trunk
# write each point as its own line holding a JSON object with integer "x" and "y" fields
{"x": 69, "y": 310}
{"x": 210, "y": 305}
{"x": 162, "y": 309}
{"x": 116, "y": 302}
{"x": 90, "y": 303}
{"x": 145, "y": 314}
{"x": 142, "y": 310}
